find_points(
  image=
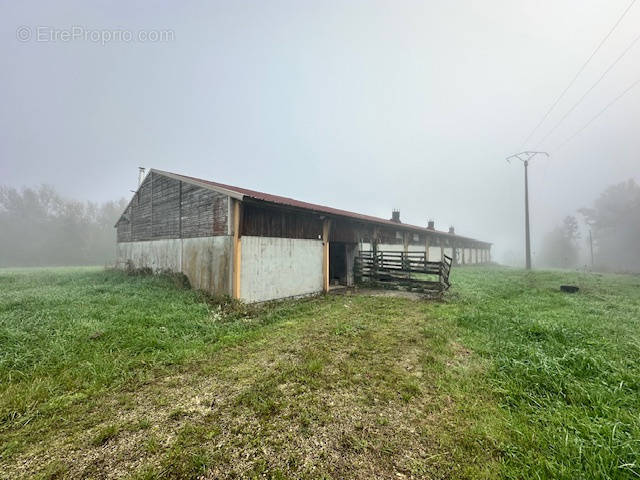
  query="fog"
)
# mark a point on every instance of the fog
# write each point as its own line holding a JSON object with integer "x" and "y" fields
{"x": 361, "y": 105}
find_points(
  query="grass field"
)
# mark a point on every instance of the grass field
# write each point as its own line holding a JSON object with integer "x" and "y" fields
{"x": 104, "y": 375}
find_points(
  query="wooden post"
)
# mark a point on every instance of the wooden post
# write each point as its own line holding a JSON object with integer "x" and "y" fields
{"x": 374, "y": 240}
{"x": 151, "y": 204}
{"x": 237, "y": 247}
{"x": 405, "y": 239}
{"x": 426, "y": 248}
{"x": 441, "y": 250}
{"x": 326, "y": 229}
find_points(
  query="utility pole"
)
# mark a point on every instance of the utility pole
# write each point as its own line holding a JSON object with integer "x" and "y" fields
{"x": 525, "y": 158}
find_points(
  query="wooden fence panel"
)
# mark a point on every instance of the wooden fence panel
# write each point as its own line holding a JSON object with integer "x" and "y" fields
{"x": 402, "y": 270}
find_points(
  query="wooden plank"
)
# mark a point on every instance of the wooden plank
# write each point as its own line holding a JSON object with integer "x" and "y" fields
{"x": 237, "y": 248}
{"x": 326, "y": 230}
{"x": 400, "y": 270}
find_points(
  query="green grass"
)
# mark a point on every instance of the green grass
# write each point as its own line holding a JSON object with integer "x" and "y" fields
{"x": 104, "y": 374}
{"x": 565, "y": 368}
{"x": 67, "y": 334}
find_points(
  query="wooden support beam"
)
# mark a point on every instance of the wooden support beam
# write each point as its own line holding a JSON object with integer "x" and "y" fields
{"x": 326, "y": 229}
{"x": 374, "y": 239}
{"x": 237, "y": 247}
{"x": 426, "y": 247}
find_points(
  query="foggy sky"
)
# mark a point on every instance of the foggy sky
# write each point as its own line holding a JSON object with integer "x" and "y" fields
{"x": 361, "y": 105}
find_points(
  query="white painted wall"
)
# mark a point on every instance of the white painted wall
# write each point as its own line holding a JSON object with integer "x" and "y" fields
{"x": 158, "y": 255}
{"x": 279, "y": 267}
{"x": 206, "y": 261}
{"x": 391, "y": 247}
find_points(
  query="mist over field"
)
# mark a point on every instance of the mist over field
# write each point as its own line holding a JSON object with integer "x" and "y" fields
{"x": 364, "y": 106}
{"x": 39, "y": 227}
{"x": 336, "y": 239}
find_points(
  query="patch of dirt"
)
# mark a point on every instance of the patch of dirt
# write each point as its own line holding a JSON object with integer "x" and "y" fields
{"x": 461, "y": 354}
{"x": 373, "y": 292}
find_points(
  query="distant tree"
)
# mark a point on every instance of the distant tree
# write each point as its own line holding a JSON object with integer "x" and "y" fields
{"x": 560, "y": 247}
{"x": 615, "y": 223}
{"x": 40, "y": 227}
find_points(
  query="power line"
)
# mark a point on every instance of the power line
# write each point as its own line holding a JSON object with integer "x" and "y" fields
{"x": 607, "y": 106}
{"x": 573, "y": 107}
{"x": 584, "y": 65}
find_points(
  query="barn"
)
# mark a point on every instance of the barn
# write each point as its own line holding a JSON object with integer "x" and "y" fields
{"x": 256, "y": 246}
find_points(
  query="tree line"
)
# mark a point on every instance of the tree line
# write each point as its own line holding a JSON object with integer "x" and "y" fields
{"x": 614, "y": 223}
{"x": 39, "y": 227}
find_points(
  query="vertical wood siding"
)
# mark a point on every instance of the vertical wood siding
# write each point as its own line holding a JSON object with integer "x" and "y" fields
{"x": 165, "y": 208}
{"x": 263, "y": 221}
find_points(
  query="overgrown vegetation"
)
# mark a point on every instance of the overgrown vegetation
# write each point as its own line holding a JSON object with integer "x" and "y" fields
{"x": 107, "y": 374}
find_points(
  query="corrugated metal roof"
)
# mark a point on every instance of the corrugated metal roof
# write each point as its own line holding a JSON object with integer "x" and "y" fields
{"x": 291, "y": 202}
